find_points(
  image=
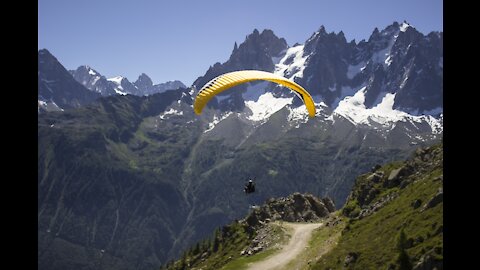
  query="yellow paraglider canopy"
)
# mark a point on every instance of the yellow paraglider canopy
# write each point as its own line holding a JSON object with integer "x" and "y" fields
{"x": 231, "y": 79}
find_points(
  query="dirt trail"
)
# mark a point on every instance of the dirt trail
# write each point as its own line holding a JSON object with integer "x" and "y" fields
{"x": 300, "y": 235}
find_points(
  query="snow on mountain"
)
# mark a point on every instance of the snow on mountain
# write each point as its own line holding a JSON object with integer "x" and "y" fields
{"x": 216, "y": 120}
{"x": 291, "y": 66}
{"x": 345, "y": 91}
{"x": 353, "y": 109}
{"x": 255, "y": 90}
{"x": 435, "y": 123}
{"x": 265, "y": 106}
{"x": 118, "y": 91}
{"x": 366, "y": 95}
{"x": 404, "y": 26}
{"x": 143, "y": 86}
{"x": 171, "y": 111}
{"x": 298, "y": 115}
{"x": 41, "y": 103}
{"x": 48, "y": 106}
{"x": 375, "y": 83}
{"x": 384, "y": 56}
{"x": 57, "y": 89}
{"x": 117, "y": 81}
{"x": 93, "y": 80}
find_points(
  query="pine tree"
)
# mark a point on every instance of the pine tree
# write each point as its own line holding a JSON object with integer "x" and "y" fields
{"x": 183, "y": 263}
{"x": 196, "y": 250}
{"x": 403, "y": 259}
{"x": 216, "y": 240}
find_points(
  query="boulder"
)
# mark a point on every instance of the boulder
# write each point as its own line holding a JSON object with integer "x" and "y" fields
{"x": 428, "y": 262}
{"x": 318, "y": 206}
{"x": 395, "y": 175}
{"x": 329, "y": 204}
{"x": 415, "y": 204}
{"x": 296, "y": 207}
{"x": 419, "y": 239}
{"x": 375, "y": 177}
{"x": 257, "y": 249}
{"x": 436, "y": 199}
{"x": 350, "y": 258}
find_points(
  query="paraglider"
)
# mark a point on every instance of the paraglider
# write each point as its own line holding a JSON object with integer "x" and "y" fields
{"x": 231, "y": 79}
{"x": 250, "y": 187}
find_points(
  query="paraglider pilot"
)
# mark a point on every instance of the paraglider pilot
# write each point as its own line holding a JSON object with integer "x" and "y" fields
{"x": 250, "y": 187}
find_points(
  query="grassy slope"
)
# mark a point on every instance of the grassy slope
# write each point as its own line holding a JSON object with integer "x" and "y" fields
{"x": 233, "y": 239}
{"x": 375, "y": 237}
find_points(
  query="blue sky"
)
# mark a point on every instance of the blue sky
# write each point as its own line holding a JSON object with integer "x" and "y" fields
{"x": 180, "y": 39}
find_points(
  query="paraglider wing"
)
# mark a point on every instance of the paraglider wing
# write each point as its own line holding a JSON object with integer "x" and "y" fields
{"x": 231, "y": 79}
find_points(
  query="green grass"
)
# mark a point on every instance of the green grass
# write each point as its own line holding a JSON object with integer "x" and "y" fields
{"x": 228, "y": 257}
{"x": 242, "y": 262}
{"x": 374, "y": 237}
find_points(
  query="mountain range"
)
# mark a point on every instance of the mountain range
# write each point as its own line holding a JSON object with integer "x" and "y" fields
{"x": 130, "y": 181}
{"x": 143, "y": 86}
{"x": 59, "y": 89}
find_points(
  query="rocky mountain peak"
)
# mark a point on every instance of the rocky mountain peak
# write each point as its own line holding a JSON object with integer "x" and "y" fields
{"x": 321, "y": 39}
{"x": 235, "y": 47}
{"x": 256, "y": 52}
{"x": 92, "y": 80}
{"x": 341, "y": 35}
{"x": 322, "y": 30}
{"x": 266, "y": 42}
{"x": 397, "y": 61}
{"x": 374, "y": 34}
{"x": 57, "y": 89}
{"x": 88, "y": 69}
{"x": 44, "y": 53}
{"x": 143, "y": 83}
{"x": 84, "y": 71}
{"x": 47, "y": 60}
